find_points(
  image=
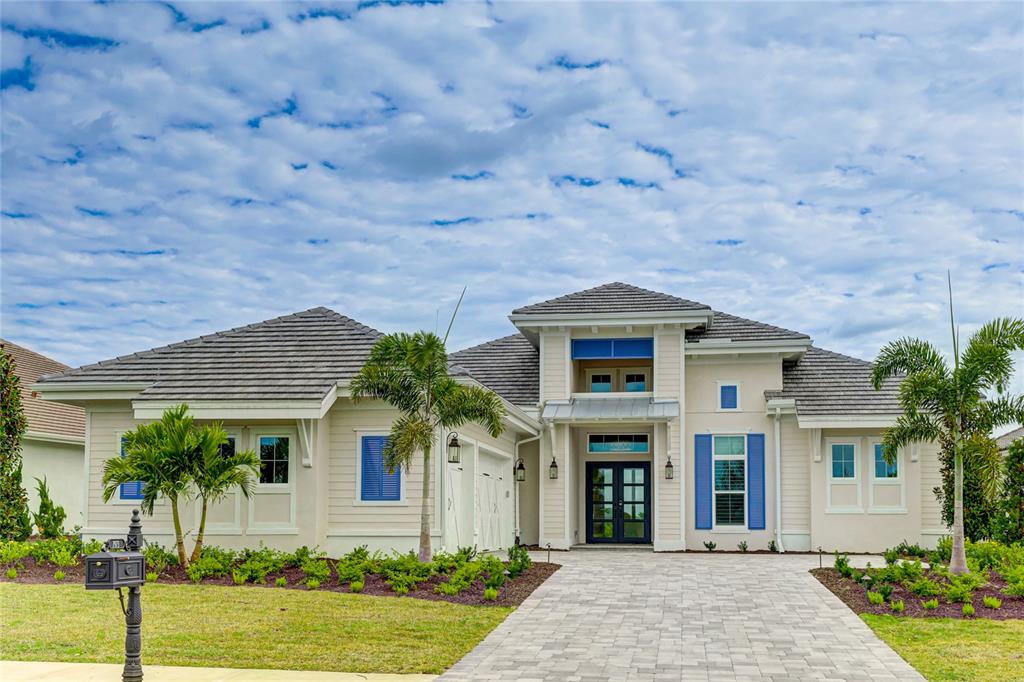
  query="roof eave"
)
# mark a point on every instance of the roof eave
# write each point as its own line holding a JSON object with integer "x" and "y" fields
{"x": 80, "y": 391}
{"x": 845, "y": 421}
{"x": 648, "y": 317}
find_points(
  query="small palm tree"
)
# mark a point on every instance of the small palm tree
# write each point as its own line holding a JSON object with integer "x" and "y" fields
{"x": 158, "y": 455}
{"x": 215, "y": 473}
{"x": 958, "y": 406}
{"x": 410, "y": 371}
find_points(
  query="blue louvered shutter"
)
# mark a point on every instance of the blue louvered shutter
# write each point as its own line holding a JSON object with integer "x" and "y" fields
{"x": 133, "y": 489}
{"x": 702, "y": 480}
{"x": 755, "y": 481}
{"x": 377, "y": 485}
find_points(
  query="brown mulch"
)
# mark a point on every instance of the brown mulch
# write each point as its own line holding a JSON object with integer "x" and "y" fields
{"x": 855, "y": 596}
{"x": 512, "y": 593}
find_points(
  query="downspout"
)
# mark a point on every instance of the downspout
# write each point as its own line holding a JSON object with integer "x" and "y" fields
{"x": 778, "y": 479}
{"x": 515, "y": 482}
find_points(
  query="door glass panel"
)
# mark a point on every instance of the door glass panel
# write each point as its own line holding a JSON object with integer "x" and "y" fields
{"x": 633, "y": 530}
{"x": 633, "y": 475}
{"x": 602, "y": 493}
{"x": 602, "y": 475}
{"x": 603, "y": 530}
{"x": 603, "y": 511}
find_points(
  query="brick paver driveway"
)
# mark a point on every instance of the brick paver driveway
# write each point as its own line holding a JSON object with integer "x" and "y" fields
{"x": 631, "y": 615}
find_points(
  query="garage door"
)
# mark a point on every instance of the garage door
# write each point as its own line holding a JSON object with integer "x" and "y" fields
{"x": 493, "y": 521}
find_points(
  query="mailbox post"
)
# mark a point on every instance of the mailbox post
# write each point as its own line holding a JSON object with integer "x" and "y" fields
{"x": 121, "y": 564}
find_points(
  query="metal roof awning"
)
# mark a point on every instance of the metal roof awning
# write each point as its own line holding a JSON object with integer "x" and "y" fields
{"x": 610, "y": 409}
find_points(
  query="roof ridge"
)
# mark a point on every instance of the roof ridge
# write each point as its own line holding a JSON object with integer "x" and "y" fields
{"x": 612, "y": 286}
{"x": 24, "y": 349}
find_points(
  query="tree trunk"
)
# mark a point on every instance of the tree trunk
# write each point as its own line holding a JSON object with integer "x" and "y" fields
{"x": 425, "y": 554}
{"x": 179, "y": 541}
{"x": 197, "y": 550}
{"x": 958, "y": 560}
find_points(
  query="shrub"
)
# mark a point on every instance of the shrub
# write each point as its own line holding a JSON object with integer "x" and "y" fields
{"x": 354, "y": 565}
{"x": 897, "y": 606}
{"x": 930, "y": 605}
{"x": 518, "y": 561}
{"x": 12, "y": 573}
{"x": 885, "y": 589}
{"x": 301, "y": 554}
{"x": 742, "y": 546}
{"x": 62, "y": 556}
{"x": 356, "y": 586}
{"x": 239, "y": 577}
{"x": 914, "y": 550}
{"x": 925, "y": 588}
{"x": 875, "y": 597}
{"x": 891, "y": 556}
{"x": 158, "y": 558}
{"x": 943, "y": 551}
{"x": 490, "y": 594}
{"x": 710, "y": 546}
{"x": 992, "y": 602}
{"x": 213, "y": 562}
{"x": 50, "y": 517}
{"x": 13, "y": 551}
{"x": 316, "y": 570}
{"x": 312, "y": 583}
{"x": 958, "y": 593}
{"x": 152, "y": 577}
{"x": 1010, "y": 525}
{"x": 94, "y": 546}
{"x": 466, "y": 554}
{"x": 58, "y": 575}
{"x": 464, "y": 576}
{"x": 968, "y": 610}
{"x": 1014, "y": 589}
{"x": 281, "y": 582}
{"x": 986, "y": 555}
{"x": 842, "y": 564}
{"x": 495, "y": 571}
{"x": 772, "y": 547}
{"x": 256, "y": 564}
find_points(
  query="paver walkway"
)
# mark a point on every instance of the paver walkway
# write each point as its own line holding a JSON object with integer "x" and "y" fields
{"x": 631, "y": 615}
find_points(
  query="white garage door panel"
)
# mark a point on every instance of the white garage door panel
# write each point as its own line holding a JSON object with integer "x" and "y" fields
{"x": 492, "y": 508}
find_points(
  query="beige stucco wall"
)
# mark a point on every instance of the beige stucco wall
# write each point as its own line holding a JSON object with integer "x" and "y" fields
{"x": 62, "y": 465}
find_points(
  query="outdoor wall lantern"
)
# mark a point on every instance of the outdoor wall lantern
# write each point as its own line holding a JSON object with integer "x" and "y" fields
{"x": 670, "y": 471}
{"x": 520, "y": 470}
{"x": 553, "y": 469}
{"x": 454, "y": 448}
{"x": 122, "y": 564}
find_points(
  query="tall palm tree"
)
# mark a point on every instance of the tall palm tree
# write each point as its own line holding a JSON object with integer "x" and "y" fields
{"x": 216, "y": 472}
{"x": 410, "y": 371}
{"x": 159, "y": 455}
{"x": 957, "y": 406}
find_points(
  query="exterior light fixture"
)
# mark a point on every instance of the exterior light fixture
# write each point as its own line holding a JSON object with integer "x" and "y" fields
{"x": 670, "y": 471}
{"x": 520, "y": 471}
{"x": 553, "y": 469}
{"x": 454, "y": 448}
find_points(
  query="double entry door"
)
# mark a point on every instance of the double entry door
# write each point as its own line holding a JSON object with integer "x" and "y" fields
{"x": 618, "y": 502}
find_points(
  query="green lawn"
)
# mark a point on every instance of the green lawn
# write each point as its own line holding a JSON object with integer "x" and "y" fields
{"x": 953, "y": 649}
{"x": 243, "y": 627}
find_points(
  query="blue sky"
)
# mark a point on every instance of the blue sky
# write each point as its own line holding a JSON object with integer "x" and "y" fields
{"x": 173, "y": 169}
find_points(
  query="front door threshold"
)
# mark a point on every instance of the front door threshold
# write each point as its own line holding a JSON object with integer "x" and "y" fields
{"x": 615, "y": 545}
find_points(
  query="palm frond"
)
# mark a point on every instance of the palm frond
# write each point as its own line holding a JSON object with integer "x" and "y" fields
{"x": 919, "y": 428}
{"x": 1002, "y": 332}
{"x": 472, "y": 404}
{"x": 904, "y": 357}
{"x": 983, "y": 454}
{"x": 409, "y": 434}
{"x": 926, "y": 391}
{"x": 389, "y": 383}
{"x": 992, "y": 414}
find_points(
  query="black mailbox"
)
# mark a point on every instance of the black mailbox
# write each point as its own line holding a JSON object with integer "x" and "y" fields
{"x": 108, "y": 570}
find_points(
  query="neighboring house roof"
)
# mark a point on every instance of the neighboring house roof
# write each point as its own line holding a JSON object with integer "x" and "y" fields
{"x": 734, "y": 328}
{"x": 823, "y": 382}
{"x": 295, "y": 357}
{"x": 615, "y": 297}
{"x": 1004, "y": 440}
{"x": 43, "y": 416}
{"x": 509, "y": 366}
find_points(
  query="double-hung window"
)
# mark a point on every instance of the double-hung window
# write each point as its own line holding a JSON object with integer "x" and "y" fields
{"x": 376, "y": 483}
{"x": 729, "y": 457}
{"x": 274, "y": 455}
{"x": 132, "y": 490}
{"x": 883, "y": 469}
{"x": 844, "y": 461}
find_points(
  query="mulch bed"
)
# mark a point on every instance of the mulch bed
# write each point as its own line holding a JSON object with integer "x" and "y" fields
{"x": 855, "y": 596}
{"x": 512, "y": 593}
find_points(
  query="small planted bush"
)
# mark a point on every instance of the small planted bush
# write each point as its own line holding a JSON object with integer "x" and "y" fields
{"x": 356, "y": 586}
{"x": 842, "y": 564}
{"x": 490, "y": 594}
{"x": 238, "y": 577}
{"x": 742, "y": 546}
{"x": 312, "y": 583}
{"x": 710, "y": 546}
{"x": 897, "y": 606}
{"x": 316, "y": 570}
{"x": 925, "y": 588}
{"x": 772, "y": 547}
{"x": 930, "y": 605}
{"x": 58, "y": 575}
{"x": 885, "y": 590}
{"x": 158, "y": 558}
{"x": 968, "y": 610}
{"x": 256, "y": 564}
{"x": 875, "y": 598}
{"x": 464, "y": 576}
{"x": 992, "y": 602}
{"x": 50, "y": 517}
{"x": 518, "y": 561}
{"x": 281, "y": 582}
{"x": 891, "y": 556}
{"x": 152, "y": 577}
{"x": 12, "y": 573}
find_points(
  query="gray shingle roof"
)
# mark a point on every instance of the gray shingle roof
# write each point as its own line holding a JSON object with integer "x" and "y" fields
{"x": 295, "y": 357}
{"x": 615, "y": 297}
{"x": 44, "y": 416}
{"x": 823, "y": 382}
{"x": 725, "y": 326}
{"x": 509, "y": 366}
{"x": 1003, "y": 442}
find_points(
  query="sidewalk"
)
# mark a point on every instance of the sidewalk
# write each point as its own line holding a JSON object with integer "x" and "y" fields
{"x": 23, "y": 671}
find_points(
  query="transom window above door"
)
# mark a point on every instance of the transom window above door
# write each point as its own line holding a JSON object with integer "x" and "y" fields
{"x": 615, "y": 442}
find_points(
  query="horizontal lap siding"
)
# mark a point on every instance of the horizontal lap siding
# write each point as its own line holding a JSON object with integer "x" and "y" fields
{"x": 796, "y": 477}
{"x": 553, "y": 363}
{"x": 667, "y": 385}
{"x": 554, "y": 491}
{"x": 931, "y": 477}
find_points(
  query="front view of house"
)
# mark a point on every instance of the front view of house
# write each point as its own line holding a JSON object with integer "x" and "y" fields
{"x": 639, "y": 418}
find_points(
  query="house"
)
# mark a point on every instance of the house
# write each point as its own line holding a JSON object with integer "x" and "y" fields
{"x": 53, "y": 446}
{"x": 639, "y": 418}
{"x": 1003, "y": 441}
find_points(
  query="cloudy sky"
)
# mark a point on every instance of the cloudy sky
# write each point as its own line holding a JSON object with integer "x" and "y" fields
{"x": 173, "y": 169}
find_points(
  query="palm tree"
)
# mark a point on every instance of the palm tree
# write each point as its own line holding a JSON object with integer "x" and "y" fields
{"x": 216, "y": 472}
{"x": 410, "y": 371}
{"x": 957, "y": 406}
{"x": 158, "y": 455}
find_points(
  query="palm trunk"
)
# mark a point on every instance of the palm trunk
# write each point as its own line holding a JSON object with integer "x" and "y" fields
{"x": 197, "y": 550}
{"x": 425, "y": 554}
{"x": 179, "y": 541}
{"x": 958, "y": 560}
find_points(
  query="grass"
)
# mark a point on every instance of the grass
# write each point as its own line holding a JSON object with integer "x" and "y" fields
{"x": 954, "y": 649}
{"x": 206, "y": 625}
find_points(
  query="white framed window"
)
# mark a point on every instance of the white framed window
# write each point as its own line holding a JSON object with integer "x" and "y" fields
{"x": 277, "y": 460}
{"x": 618, "y": 442}
{"x": 233, "y": 498}
{"x": 887, "y": 492}
{"x": 728, "y": 396}
{"x": 636, "y": 380}
{"x": 883, "y": 470}
{"x": 843, "y": 462}
{"x": 729, "y": 467}
{"x": 843, "y": 476}
{"x": 600, "y": 380}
